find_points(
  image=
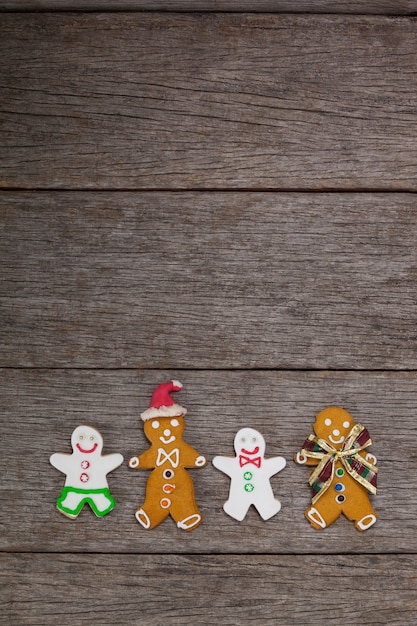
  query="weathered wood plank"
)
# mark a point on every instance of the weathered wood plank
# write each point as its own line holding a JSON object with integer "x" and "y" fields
{"x": 208, "y": 280}
{"x": 208, "y": 101}
{"x": 40, "y": 409}
{"x": 164, "y": 589}
{"x": 371, "y": 7}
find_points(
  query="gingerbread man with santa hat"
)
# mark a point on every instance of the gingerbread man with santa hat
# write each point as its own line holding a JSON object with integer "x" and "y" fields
{"x": 170, "y": 490}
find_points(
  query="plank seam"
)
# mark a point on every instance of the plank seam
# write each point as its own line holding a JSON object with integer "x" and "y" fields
{"x": 207, "y": 369}
{"x": 174, "y": 11}
{"x": 231, "y": 190}
{"x": 210, "y": 554}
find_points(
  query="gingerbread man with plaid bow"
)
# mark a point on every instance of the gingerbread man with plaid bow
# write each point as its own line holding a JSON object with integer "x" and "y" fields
{"x": 250, "y": 473}
{"x": 344, "y": 471}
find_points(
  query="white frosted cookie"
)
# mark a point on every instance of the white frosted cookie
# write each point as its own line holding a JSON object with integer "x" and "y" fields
{"x": 86, "y": 470}
{"x": 250, "y": 473}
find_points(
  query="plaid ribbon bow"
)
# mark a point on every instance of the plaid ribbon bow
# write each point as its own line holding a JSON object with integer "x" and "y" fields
{"x": 361, "y": 470}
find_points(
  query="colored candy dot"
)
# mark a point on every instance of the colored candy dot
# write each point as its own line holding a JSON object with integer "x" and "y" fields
{"x": 247, "y": 475}
{"x": 249, "y": 487}
{"x": 340, "y": 472}
{"x": 340, "y": 498}
{"x": 339, "y": 487}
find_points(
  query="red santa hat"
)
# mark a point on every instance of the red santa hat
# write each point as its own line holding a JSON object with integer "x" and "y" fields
{"x": 161, "y": 404}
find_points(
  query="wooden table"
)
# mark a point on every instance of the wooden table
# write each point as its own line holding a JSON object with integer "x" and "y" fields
{"x": 227, "y": 199}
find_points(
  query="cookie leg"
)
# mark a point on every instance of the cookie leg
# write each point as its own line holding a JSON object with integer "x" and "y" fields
{"x": 324, "y": 512}
{"x": 101, "y": 503}
{"x": 150, "y": 516}
{"x": 185, "y": 513}
{"x": 70, "y": 503}
{"x": 237, "y": 508}
{"x": 359, "y": 509}
{"x": 268, "y": 509}
{"x": 156, "y": 506}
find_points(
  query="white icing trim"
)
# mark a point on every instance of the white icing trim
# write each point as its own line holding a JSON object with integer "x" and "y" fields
{"x": 301, "y": 458}
{"x": 147, "y": 522}
{"x": 365, "y": 526}
{"x": 185, "y": 523}
{"x": 164, "y": 456}
{"x": 175, "y": 410}
{"x": 315, "y": 517}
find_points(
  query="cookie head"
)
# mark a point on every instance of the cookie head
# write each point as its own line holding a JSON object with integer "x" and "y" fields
{"x": 164, "y": 430}
{"x": 86, "y": 440}
{"x": 249, "y": 442}
{"x": 333, "y": 425}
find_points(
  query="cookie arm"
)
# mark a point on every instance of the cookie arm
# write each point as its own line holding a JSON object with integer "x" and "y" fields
{"x": 111, "y": 461}
{"x": 301, "y": 459}
{"x": 146, "y": 460}
{"x": 61, "y": 462}
{"x": 368, "y": 456}
{"x": 274, "y": 465}
{"x": 225, "y": 464}
{"x": 190, "y": 457}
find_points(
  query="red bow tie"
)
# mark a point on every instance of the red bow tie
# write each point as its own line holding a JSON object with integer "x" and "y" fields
{"x": 245, "y": 460}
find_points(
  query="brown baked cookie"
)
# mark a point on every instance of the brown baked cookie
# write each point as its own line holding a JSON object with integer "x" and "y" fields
{"x": 344, "y": 472}
{"x": 170, "y": 490}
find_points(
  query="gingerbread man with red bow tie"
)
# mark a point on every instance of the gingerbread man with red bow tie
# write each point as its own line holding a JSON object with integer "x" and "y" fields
{"x": 250, "y": 473}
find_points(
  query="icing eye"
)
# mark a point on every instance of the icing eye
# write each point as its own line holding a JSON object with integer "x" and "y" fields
{"x": 175, "y": 422}
{"x": 80, "y": 437}
{"x": 155, "y": 424}
{"x": 91, "y": 438}
{"x": 243, "y": 439}
{"x": 346, "y": 424}
{"x": 253, "y": 439}
{"x": 328, "y": 422}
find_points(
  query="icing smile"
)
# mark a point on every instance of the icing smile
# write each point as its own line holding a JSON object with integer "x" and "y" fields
{"x": 336, "y": 440}
{"x": 86, "y": 451}
{"x": 167, "y": 440}
{"x": 254, "y": 451}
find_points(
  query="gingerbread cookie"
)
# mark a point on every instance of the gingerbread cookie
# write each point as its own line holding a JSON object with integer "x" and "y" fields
{"x": 345, "y": 472}
{"x": 169, "y": 490}
{"x": 86, "y": 469}
{"x": 250, "y": 473}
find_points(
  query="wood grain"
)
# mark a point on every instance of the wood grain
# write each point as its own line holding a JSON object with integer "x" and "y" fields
{"x": 246, "y": 295}
{"x": 208, "y": 101}
{"x": 208, "y": 280}
{"x": 371, "y": 7}
{"x": 233, "y": 589}
{"x": 40, "y": 409}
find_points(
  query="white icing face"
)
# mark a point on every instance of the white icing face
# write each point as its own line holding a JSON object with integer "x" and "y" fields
{"x": 336, "y": 436}
{"x": 333, "y": 425}
{"x": 165, "y": 430}
{"x": 249, "y": 442}
{"x": 86, "y": 440}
